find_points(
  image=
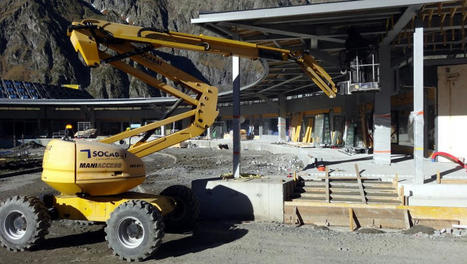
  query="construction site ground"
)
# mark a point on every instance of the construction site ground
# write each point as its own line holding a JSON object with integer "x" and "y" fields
{"x": 235, "y": 242}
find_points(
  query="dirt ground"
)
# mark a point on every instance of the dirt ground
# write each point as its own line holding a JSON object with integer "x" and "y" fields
{"x": 232, "y": 242}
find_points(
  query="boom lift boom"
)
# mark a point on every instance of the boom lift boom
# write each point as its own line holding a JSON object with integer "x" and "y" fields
{"x": 94, "y": 178}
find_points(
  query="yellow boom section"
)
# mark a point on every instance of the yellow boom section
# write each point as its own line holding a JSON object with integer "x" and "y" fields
{"x": 104, "y": 42}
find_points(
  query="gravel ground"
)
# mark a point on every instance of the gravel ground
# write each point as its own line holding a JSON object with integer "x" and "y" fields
{"x": 230, "y": 242}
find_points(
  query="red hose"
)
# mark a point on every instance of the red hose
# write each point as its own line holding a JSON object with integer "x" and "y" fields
{"x": 448, "y": 156}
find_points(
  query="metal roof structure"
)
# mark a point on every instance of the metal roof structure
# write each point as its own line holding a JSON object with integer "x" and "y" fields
{"x": 19, "y": 93}
{"x": 113, "y": 102}
{"x": 322, "y": 30}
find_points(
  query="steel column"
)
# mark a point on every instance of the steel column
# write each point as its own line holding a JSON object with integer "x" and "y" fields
{"x": 418, "y": 149}
{"x": 236, "y": 115}
{"x": 281, "y": 120}
{"x": 382, "y": 110}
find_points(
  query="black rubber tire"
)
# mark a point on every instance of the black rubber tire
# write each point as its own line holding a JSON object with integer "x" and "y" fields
{"x": 186, "y": 212}
{"x": 131, "y": 215}
{"x": 24, "y": 222}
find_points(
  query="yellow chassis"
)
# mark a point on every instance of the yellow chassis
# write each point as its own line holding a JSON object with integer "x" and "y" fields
{"x": 99, "y": 208}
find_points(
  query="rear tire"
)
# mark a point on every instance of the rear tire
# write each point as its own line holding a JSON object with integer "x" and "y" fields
{"x": 24, "y": 222}
{"x": 135, "y": 230}
{"x": 186, "y": 212}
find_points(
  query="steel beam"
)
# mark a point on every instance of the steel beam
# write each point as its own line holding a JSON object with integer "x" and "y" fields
{"x": 281, "y": 83}
{"x": 283, "y": 32}
{"x": 409, "y": 13}
{"x": 307, "y": 10}
{"x": 382, "y": 111}
{"x": 281, "y": 119}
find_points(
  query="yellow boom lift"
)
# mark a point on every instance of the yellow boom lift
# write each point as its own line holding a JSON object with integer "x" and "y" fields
{"x": 95, "y": 178}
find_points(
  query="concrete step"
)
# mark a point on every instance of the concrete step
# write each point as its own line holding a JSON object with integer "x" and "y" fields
{"x": 349, "y": 184}
{"x": 350, "y": 200}
{"x": 446, "y": 195}
{"x": 344, "y": 189}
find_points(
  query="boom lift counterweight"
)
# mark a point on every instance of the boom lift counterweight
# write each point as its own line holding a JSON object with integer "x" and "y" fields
{"x": 94, "y": 178}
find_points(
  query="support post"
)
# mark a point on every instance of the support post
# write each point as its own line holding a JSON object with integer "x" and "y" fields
{"x": 418, "y": 149}
{"x": 382, "y": 110}
{"x": 260, "y": 127}
{"x": 236, "y": 115}
{"x": 208, "y": 133}
{"x": 281, "y": 120}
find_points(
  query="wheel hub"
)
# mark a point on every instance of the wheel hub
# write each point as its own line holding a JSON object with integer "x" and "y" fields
{"x": 130, "y": 232}
{"x": 15, "y": 225}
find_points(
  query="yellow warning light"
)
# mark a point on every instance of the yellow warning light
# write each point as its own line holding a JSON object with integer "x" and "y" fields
{"x": 68, "y": 126}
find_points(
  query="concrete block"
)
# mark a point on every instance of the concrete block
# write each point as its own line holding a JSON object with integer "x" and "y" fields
{"x": 451, "y": 195}
{"x": 240, "y": 199}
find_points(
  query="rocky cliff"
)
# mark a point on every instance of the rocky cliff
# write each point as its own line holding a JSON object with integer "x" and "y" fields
{"x": 34, "y": 46}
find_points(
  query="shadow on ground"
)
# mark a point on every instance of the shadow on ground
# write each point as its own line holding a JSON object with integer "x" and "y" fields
{"x": 81, "y": 239}
{"x": 443, "y": 173}
{"x": 207, "y": 235}
{"x": 394, "y": 159}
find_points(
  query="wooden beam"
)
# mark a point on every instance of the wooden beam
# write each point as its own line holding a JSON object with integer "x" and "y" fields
{"x": 407, "y": 219}
{"x": 298, "y": 218}
{"x": 360, "y": 184}
{"x": 352, "y": 221}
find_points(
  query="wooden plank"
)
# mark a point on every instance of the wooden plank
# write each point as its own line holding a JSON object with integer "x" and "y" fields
{"x": 407, "y": 219}
{"x": 380, "y": 218}
{"x": 355, "y": 184}
{"x": 309, "y": 131}
{"x": 312, "y": 195}
{"x": 306, "y": 202}
{"x": 436, "y": 223}
{"x": 344, "y": 178}
{"x": 349, "y": 199}
{"x": 352, "y": 223}
{"x": 345, "y": 189}
{"x": 454, "y": 181}
{"x": 401, "y": 195}
{"x": 438, "y": 177}
{"x": 354, "y": 196}
{"x": 345, "y": 196}
{"x": 347, "y": 216}
{"x": 360, "y": 184}
{"x": 299, "y": 219}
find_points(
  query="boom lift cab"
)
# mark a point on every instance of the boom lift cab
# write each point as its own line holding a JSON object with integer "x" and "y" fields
{"x": 90, "y": 168}
{"x": 95, "y": 178}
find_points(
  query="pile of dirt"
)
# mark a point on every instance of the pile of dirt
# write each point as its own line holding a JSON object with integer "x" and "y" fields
{"x": 27, "y": 149}
{"x": 23, "y": 157}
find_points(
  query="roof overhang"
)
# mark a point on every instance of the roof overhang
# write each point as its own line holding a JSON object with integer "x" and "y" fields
{"x": 307, "y": 10}
{"x": 321, "y": 29}
{"x": 89, "y": 102}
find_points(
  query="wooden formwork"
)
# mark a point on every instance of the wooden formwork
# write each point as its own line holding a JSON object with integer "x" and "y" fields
{"x": 362, "y": 202}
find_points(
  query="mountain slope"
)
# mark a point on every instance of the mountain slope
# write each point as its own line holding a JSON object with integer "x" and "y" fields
{"x": 34, "y": 46}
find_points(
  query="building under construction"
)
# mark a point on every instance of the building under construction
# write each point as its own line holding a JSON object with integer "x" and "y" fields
{"x": 376, "y": 114}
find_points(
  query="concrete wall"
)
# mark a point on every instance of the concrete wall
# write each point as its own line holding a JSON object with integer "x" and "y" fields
{"x": 452, "y": 110}
{"x": 242, "y": 199}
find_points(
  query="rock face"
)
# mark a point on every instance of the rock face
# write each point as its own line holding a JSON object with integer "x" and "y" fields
{"x": 34, "y": 46}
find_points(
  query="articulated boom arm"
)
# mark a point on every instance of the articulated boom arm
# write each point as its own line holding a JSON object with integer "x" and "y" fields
{"x": 95, "y": 38}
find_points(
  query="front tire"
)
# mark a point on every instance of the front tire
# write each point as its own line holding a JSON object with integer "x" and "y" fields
{"x": 135, "y": 230}
{"x": 186, "y": 212}
{"x": 24, "y": 222}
